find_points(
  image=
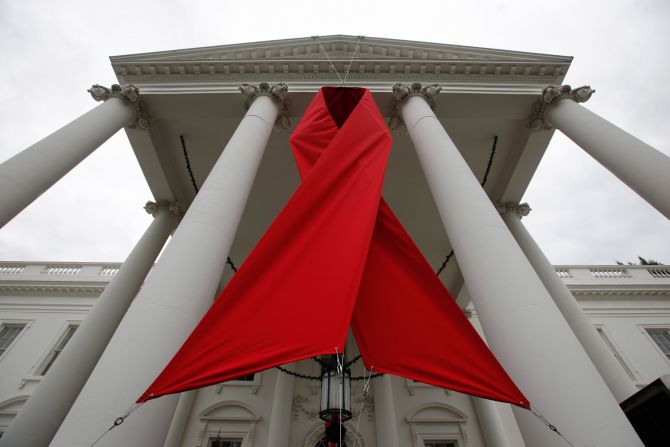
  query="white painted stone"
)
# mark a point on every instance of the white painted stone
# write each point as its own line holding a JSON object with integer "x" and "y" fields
{"x": 40, "y": 418}
{"x": 638, "y": 165}
{"x": 25, "y": 176}
{"x": 519, "y": 317}
{"x": 609, "y": 368}
{"x": 174, "y": 298}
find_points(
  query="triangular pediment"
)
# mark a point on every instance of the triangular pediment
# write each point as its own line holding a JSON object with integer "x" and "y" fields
{"x": 340, "y": 47}
{"x": 365, "y": 59}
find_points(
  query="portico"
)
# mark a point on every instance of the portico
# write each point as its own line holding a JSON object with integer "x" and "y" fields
{"x": 446, "y": 105}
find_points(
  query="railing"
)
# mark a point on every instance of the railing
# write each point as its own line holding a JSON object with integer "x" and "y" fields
{"x": 9, "y": 269}
{"x": 57, "y": 270}
{"x": 617, "y": 273}
{"x": 105, "y": 271}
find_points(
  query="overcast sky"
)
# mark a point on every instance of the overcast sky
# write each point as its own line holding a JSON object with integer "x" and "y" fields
{"x": 53, "y": 51}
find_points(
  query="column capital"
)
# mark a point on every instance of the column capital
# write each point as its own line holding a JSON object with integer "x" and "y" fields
{"x": 401, "y": 92}
{"x": 127, "y": 92}
{"x": 173, "y": 207}
{"x": 276, "y": 92}
{"x": 521, "y": 209}
{"x": 552, "y": 94}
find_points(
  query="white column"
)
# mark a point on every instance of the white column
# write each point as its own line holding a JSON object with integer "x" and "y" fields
{"x": 386, "y": 423}
{"x": 39, "y": 419}
{"x": 640, "y": 166}
{"x": 280, "y": 417}
{"x": 25, "y": 176}
{"x": 607, "y": 365}
{"x": 175, "y": 296}
{"x": 495, "y": 418}
{"x": 180, "y": 419}
{"x": 524, "y": 327}
{"x": 494, "y": 430}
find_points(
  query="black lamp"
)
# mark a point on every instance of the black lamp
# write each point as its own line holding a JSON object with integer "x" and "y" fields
{"x": 335, "y": 389}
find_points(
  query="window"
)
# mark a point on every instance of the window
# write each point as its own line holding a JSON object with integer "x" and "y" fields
{"x": 439, "y": 444}
{"x": 661, "y": 337}
{"x": 217, "y": 442}
{"x": 8, "y": 333}
{"x": 55, "y": 352}
{"x": 249, "y": 378}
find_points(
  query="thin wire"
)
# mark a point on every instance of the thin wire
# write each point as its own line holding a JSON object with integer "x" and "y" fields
{"x": 340, "y": 372}
{"x": 352, "y": 60}
{"x": 551, "y": 427}
{"x": 331, "y": 62}
{"x": 365, "y": 392}
{"x": 118, "y": 421}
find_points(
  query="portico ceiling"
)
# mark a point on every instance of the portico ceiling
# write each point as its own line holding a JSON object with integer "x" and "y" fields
{"x": 194, "y": 93}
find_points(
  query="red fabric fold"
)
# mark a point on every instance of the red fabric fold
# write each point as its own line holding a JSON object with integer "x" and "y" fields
{"x": 334, "y": 256}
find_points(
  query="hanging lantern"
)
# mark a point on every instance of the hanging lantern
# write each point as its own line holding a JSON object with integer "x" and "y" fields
{"x": 335, "y": 389}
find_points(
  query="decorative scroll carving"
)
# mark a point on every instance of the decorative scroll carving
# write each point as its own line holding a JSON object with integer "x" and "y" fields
{"x": 551, "y": 94}
{"x": 153, "y": 208}
{"x": 277, "y": 92}
{"x": 402, "y": 92}
{"x": 128, "y": 93}
{"x": 521, "y": 210}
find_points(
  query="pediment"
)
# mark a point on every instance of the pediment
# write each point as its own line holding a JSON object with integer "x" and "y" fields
{"x": 231, "y": 411}
{"x": 436, "y": 412}
{"x": 340, "y": 47}
{"x": 309, "y": 58}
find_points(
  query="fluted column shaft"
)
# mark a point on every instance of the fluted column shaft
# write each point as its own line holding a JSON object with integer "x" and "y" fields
{"x": 279, "y": 431}
{"x": 524, "y": 327}
{"x": 607, "y": 365}
{"x": 39, "y": 419}
{"x": 640, "y": 166}
{"x": 25, "y": 176}
{"x": 173, "y": 300}
{"x": 386, "y": 421}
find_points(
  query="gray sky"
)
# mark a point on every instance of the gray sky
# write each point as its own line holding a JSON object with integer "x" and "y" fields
{"x": 53, "y": 51}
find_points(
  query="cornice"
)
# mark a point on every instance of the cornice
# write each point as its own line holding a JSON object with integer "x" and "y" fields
{"x": 297, "y": 60}
{"x": 619, "y": 292}
{"x": 51, "y": 290}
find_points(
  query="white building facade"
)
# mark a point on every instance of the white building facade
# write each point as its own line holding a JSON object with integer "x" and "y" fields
{"x": 629, "y": 306}
{"x": 470, "y": 127}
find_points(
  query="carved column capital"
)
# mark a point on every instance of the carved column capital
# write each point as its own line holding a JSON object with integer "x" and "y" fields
{"x": 276, "y": 92}
{"x": 402, "y": 92}
{"x": 521, "y": 209}
{"x": 127, "y": 92}
{"x": 173, "y": 207}
{"x": 551, "y": 94}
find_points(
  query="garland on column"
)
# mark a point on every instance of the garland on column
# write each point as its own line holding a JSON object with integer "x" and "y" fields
{"x": 447, "y": 258}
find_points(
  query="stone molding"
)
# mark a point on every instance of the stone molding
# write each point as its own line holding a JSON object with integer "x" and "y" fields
{"x": 52, "y": 289}
{"x": 277, "y": 92}
{"x": 552, "y": 94}
{"x": 127, "y": 92}
{"x": 521, "y": 209}
{"x": 301, "y": 60}
{"x": 401, "y": 92}
{"x": 173, "y": 207}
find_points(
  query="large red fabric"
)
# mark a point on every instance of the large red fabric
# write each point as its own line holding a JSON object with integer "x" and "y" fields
{"x": 334, "y": 256}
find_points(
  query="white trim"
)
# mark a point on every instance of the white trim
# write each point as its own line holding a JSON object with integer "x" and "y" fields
{"x": 613, "y": 347}
{"x": 14, "y": 322}
{"x": 643, "y": 329}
